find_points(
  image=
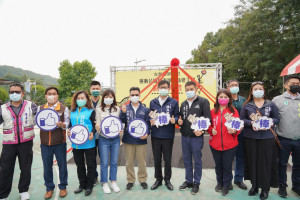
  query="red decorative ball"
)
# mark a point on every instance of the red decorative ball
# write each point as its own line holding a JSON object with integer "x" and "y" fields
{"x": 175, "y": 62}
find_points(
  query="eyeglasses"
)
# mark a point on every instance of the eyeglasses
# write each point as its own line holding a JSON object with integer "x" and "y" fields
{"x": 17, "y": 92}
{"x": 257, "y": 82}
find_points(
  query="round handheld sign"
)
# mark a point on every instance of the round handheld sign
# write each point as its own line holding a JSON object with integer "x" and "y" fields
{"x": 79, "y": 134}
{"x": 46, "y": 119}
{"x": 137, "y": 128}
{"x": 110, "y": 126}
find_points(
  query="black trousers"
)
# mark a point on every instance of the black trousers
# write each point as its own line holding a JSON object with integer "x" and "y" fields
{"x": 7, "y": 165}
{"x": 86, "y": 176}
{"x": 97, "y": 154}
{"x": 260, "y": 161}
{"x": 161, "y": 146}
{"x": 223, "y": 161}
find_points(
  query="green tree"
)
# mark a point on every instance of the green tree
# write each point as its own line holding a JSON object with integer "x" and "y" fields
{"x": 38, "y": 96}
{"x": 75, "y": 77}
{"x": 3, "y": 95}
{"x": 263, "y": 37}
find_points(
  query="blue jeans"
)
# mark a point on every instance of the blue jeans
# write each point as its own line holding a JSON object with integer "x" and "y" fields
{"x": 239, "y": 160}
{"x": 60, "y": 152}
{"x": 109, "y": 150}
{"x": 289, "y": 146}
{"x": 192, "y": 148}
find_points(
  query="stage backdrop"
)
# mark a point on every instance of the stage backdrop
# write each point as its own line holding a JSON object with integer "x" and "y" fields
{"x": 126, "y": 79}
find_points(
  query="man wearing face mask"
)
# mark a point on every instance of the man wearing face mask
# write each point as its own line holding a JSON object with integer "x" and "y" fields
{"x": 95, "y": 90}
{"x": 192, "y": 141}
{"x": 135, "y": 147}
{"x": 54, "y": 143}
{"x": 289, "y": 135}
{"x": 18, "y": 118}
{"x": 162, "y": 137}
{"x": 238, "y": 101}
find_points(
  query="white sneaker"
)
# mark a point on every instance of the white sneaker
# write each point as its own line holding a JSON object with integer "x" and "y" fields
{"x": 115, "y": 187}
{"x": 25, "y": 196}
{"x": 106, "y": 188}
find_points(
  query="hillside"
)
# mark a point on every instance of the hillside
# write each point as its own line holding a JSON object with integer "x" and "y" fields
{"x": 20, "y": 74}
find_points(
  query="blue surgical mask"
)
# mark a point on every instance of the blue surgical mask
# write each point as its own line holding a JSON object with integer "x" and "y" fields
{"x": 190, "y": 94}
{"x": 81, "y": 103}
{"x": 258, "y": 93}
{"x": 15, "y": 97}
{"x": 163, "y": 92}
{"x": 234, "y": 90}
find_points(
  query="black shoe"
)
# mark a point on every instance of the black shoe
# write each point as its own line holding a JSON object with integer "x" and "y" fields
{"x": 156, "y": 185}
{"x": 282, "y": 191}
{"x": 144, "y": 185}
{"x": 230, "y": 187}
{"x": 88, "y": 192}
{"x": 264, "y": 194}
{"x": 253, "y": 191}
{"x": 78, "y": 190}
{"x": 297, "y": 191}
{"x": 241, "y": 185}
{"x": 169, "y": 185}
{"x": 219, "y": 187}
{"x": 96, "y": 181}
{"x": 225, "y": 191}
{"x": 185, "y": 185}
{"x": 195, "y": 189}
{"x": 129, "y": 186}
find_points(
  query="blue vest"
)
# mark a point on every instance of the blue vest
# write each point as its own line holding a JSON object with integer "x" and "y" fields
{"x": 83, "y": 118}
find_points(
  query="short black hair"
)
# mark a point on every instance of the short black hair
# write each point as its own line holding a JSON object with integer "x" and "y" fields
{"x": 232, "y": 80}
{"x": 162, "y": 82}
{"x": 51, "y": 88}
{"x": 95, "y": 83}
{"x": 291, "y": 77}
{"x": 134, "y": 88}
{"x": 191, "y": 83}
{"x": 17, "y": 85}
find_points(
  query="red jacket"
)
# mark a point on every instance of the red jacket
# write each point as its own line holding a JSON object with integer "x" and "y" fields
{"x": 222, "y": 140}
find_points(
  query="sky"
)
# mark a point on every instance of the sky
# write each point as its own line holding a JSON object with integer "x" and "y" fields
{"x": 37, "y": 35}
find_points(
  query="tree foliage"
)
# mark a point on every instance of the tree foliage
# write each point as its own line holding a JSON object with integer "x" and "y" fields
{"x": 37, "y": 96}
{"x": 257, "y": 44}
{"x": 75, "y": 77}
{"x": 3, "y": 95}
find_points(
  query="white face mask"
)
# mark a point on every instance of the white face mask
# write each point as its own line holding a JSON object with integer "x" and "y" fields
{"x": 51, "y": 99}
{"x": 134, "y": 99}
{"x": 108, "y": 101}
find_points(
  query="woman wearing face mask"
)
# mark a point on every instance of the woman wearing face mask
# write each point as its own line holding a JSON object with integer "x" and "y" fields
{"x": 108, "y": 147}
{"x": 223, "y": 141}
{"x": 82, "y": 113}
{"x": 260, "y": 148}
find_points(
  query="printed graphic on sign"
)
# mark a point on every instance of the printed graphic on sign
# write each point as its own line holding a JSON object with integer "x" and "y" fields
{"x": 137, "y": 128}
{"x": 261, "y": 123}
{"x": 79, "y": 134}
{"x": 111, "y": 126}
{"x": 46, "y": 119}
{"x": 233, "y": 122}
{"x": 199, "y": 123}
{"x": 160, "y": 119}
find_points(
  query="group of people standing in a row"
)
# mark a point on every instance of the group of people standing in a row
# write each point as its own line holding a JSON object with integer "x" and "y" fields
{"x": 256, "y": 151}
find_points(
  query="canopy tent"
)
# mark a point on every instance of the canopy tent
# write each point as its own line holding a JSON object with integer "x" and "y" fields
{"x": 292, "y": 68}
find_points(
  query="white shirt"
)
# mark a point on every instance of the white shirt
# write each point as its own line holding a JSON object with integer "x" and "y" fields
{"x": 191, "y": 101}
{"x": 66, "y": 113}
{"x": 162, "y": 101}
{"x": 135, "y": 107}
